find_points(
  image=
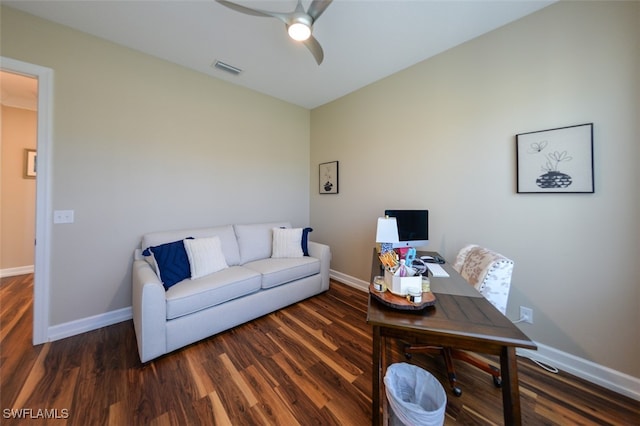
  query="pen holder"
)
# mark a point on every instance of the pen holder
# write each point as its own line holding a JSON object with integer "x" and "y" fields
{"x": 400, "y": 285}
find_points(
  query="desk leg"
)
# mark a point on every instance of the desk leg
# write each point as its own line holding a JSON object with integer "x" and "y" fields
{"x": 510, "y": 387}
{"x": 376, "y": 381}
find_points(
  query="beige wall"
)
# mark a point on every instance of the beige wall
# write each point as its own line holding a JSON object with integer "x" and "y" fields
{"x": 441, "y": 135}
{"x": 18, "y": 195}
{"x": 141, "y": 145}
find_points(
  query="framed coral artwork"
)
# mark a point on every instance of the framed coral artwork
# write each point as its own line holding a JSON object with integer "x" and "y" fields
{"x": 328, "y": 178}
{"x": 556, "y": 160}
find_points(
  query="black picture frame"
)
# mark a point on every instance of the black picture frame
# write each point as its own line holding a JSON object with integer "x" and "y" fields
{"x": 328, "y": 177}
{"x": 556, "y": 160}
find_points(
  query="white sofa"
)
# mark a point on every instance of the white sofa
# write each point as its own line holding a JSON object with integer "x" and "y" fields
{"x": 253, "y": 284}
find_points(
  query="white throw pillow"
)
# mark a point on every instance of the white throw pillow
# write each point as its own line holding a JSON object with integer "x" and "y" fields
{"x": 205, "y": 256}
{"x": 287, "y": 242}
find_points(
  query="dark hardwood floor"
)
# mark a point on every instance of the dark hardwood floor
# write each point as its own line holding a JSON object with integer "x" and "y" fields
{"x": 309, "y": 363}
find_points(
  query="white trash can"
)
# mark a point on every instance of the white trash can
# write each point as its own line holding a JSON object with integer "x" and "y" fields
{"x": 415, "y": 396}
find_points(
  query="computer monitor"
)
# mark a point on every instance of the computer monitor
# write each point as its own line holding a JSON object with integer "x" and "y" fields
{"x": 413, "y": 227}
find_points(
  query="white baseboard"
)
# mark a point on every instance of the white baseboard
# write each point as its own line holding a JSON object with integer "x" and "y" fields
{"x": 595, "y": 373}
{"x": 20, "y": 270}
{"x": 349, "y": 280}
{"x": 84, "y": 325}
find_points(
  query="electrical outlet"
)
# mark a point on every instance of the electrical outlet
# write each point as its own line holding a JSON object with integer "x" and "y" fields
{"x": 526, "y": 314}
{"x": 63, "y": 216}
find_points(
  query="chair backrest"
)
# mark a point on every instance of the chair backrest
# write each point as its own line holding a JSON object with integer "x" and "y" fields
{"x": 489, "y": 272}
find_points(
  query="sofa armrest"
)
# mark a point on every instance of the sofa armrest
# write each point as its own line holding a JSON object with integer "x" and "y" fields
{"x": 323, "y": 253}
{"x": 149, "y": 311}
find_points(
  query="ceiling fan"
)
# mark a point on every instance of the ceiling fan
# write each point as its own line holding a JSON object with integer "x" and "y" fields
{"x": 299, "y": 23}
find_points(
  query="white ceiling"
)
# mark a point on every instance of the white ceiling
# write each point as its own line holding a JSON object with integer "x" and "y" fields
{"x": 363, "y": 40}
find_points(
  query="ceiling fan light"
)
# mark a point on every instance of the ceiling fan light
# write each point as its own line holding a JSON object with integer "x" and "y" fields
{"x": 299, "y": 31}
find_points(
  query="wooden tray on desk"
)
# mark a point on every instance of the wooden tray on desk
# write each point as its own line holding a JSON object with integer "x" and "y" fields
{"x": 398, "y": 302}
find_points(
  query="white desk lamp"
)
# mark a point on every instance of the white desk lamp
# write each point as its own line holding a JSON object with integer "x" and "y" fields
{"x": 387, "y": 233}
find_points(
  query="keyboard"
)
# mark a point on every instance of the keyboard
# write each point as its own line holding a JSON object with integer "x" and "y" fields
{"x": 437, "y": 270}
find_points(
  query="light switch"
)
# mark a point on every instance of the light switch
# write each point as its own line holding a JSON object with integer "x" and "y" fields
{"x": 63, "y": 216}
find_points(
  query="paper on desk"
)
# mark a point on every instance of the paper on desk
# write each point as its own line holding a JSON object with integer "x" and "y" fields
{"x": 454, "y": 285}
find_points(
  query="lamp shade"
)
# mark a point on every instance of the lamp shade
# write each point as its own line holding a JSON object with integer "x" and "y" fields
{"x": 387, "y": 231}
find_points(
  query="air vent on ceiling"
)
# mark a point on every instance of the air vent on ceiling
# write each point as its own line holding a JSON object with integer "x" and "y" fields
{"x": 226, "y": 67}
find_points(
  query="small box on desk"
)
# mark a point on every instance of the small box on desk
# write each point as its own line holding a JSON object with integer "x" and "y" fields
{"x": 401, "y": 285}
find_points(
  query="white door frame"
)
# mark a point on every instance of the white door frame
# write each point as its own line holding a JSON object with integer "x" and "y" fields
{"x": 43, "y": 193}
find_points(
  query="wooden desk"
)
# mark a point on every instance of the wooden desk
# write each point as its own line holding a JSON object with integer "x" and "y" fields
{"x": 460, "y": 319}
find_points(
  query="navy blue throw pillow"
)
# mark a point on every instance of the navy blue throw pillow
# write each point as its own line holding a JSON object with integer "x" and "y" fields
{"x": 172, "y": 261}
{"x": 305, "y": 240}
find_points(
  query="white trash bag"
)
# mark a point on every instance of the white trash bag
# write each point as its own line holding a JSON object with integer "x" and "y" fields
{"x": 415, "y": 396}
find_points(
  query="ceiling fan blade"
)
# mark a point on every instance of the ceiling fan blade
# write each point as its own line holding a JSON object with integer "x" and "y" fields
{"x": 253, "y": 12}
{"x": 315, "y": 49}
{"x": 299, "y": 7}
{"x": 317, "y": 7}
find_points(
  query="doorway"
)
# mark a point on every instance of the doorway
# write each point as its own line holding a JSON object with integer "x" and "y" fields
{"x": 43, "y": 213}
{"x": 19, "y": 131}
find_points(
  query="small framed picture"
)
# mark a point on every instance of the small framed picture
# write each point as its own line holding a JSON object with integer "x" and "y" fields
{"x": 30, "y": 160}
{"x": 556, "y": 160}
{"x": 328, "y": 177}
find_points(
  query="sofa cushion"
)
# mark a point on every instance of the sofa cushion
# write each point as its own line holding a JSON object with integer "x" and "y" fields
{"x": 226, "y": 234}
{"x": 170, "y": 261}
{"x": 287, "y": 242}
{"x": 190, "y": 296}
{"x": 205, "y": 256}
{"x": 255, "y": 241}
{"x": 283, "y": 270}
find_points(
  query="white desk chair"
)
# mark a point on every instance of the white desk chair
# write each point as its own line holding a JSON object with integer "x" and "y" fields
{"x": 490, "y": 273}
